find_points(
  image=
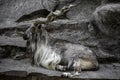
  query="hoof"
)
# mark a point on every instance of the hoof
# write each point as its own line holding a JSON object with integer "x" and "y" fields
{"x": 61, "y": 68}
{"x": 67, "y": 75}
{"x": 70, "y": 75}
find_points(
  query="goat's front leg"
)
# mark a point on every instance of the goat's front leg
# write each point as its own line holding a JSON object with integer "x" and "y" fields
{"x": 77, "y": 67}
{"x": 70, "y": 74}
{"x": 61, "y": 68}
{"x": 76, "y": 72}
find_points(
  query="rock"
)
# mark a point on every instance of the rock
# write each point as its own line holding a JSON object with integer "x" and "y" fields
{"x": 2, "y": 53}
{"x": 107, "y": 19}
{"x": 81, "y": 11}
{"x": 5, "y": 41}
{"x": 12, "y": 10}
{"x": 109, "y": 1}
{"x": 75, "y": 29}
{"x": 76, "y": 32}
{"x": 33, "y": 15}
{"x": 79, "y": 32}
{"x": 9, "y": 47}
{"x": 23, "y": 69}
{"x": 105, "y": 22}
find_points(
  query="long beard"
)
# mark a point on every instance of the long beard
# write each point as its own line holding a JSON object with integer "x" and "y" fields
{"x": 46, "y": 57}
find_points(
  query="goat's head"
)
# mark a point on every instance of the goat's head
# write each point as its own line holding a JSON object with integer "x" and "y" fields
{"x": 41, "y": 34}
{"x": 34, "y": 31}
{"x": 36, "y": 35}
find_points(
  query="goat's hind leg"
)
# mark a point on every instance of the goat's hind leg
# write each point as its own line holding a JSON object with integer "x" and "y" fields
{"x": 76, "y": 72}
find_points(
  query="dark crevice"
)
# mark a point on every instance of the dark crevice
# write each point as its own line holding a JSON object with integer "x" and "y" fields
{"x": 36, "y": 14}
{"x": 110, "y": 1}
{"x": 10, "y": 51}
{"x": 108, "y": 60}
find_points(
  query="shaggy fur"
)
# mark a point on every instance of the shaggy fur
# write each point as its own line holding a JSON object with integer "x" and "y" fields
{"x": 57, "y": 54}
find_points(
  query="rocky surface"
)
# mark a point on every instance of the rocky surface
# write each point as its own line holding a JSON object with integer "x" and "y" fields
{"x": 24, "y": 69}
{"x": 73, "y": 31}
{"x": 107, "y": 19}
{"x": 11, "y": 46}
{"x": 13, "y": 10}
{"x": 109, "y": 1}
{"x": 102, "y": 38}
{"x": 6, "y": 41}
{"x": 81, "y": 11}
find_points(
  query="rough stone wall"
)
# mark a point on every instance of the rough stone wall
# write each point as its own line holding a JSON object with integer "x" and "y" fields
{"x": 106, "y": 22}
{"x": 14, "y": 9}
{"x": 83, "y": 25}
{"x": 76, "y": 28}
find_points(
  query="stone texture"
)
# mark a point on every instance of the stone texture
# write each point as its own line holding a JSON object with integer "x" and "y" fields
{"x": 23, "y": 69}
{"x": 11, "y": 46}
{"x": 80, "y": 32}
{"x": 7, "y": 41}
{"x": 106, "y": 22}
{"x": 12, "y": 10}
{"x": 109, "y": 1}
{"x": 75, "y": 29}
{"x": 107, "y": 19}
{"x": 81, "y": 11}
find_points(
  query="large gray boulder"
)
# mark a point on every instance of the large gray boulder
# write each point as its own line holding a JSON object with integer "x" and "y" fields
{"x": 22, "y": 70}
{"x": 106, "y": 23}
{"x": 13, "y": 10}
{"x": 82, "y": 10}
{"x": 107, "y": 19}
{"x": 109, "y": 1}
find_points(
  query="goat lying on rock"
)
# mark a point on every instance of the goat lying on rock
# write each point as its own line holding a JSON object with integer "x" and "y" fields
{"x": 57, "y": 54}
